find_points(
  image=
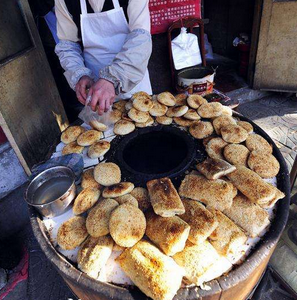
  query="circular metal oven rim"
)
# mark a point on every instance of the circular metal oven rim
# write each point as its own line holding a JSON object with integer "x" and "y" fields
{"x": 235, "y": 276}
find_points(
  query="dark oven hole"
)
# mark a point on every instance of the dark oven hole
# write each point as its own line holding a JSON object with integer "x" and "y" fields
{"x": 155, "y": 152}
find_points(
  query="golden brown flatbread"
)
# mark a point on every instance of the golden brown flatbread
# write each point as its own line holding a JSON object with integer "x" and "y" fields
{"x": 234, "y": 134}
{"x": 88, "y": 180}
{"x": 236, "y": 154}
{"x": 127, "y": 225}
{"x": 210, "y": 110}
{"x": 98, "y": 219}
{"x": 123, "y": 127}
{"x": 72, "y": 233}
{"x": 222, "y": 121}
{"x": 164, "y": 197}
{"x": 227, "y": 238}
{"x": 118, "y": 190}
{"x": 252, "y": 185}
{"x": 214, "y": 193}
{"x": 197, "y": 260}
{"x": 72, "y": 147}
{"x": 201, "y": 129}
{"x": 166, "y": 98}
{"x": 71, "y": 134}
{"x": 93, "y": 255}
{"x": 257, "y": 142}
{"x": 169, "y": 234}
{"x": 176, "y": 111}
{"x": 264, "y": 164}
{"x": 107, "y": 174}
{"x": 214, "y": 168}
{"x": 89, "y": 137}
{"x": 86, "y": 199}
{"x": 143, "y": 198}
{"x": 248, "y": 215}
{"x": 194, "y": 101}
{"x": 200, "y": 219}
{"x": 215, "y": 147}
{"x": 153, "y": 272}
{"x": 158, "y": 109}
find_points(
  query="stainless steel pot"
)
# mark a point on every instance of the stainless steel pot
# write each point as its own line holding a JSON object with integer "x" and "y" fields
{"x": 52, "y": 191}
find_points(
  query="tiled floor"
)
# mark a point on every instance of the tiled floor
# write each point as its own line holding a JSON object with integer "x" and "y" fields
{"x": 277, "y": 115}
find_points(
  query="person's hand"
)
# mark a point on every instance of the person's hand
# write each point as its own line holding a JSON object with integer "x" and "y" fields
{"x": 81, "y": 87}
{"x": 103, "y": 95}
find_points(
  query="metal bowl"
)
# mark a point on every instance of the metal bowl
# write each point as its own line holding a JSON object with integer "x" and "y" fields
{"x": 52, "y": 191}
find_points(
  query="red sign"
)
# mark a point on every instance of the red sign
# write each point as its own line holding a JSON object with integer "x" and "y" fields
{"x": 164, "y": 12}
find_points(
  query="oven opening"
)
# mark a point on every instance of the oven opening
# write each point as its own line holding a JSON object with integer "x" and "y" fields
{"x": 155, "y": 152}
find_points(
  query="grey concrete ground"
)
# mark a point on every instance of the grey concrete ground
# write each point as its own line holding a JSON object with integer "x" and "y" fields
{"x": 276, "y": 114}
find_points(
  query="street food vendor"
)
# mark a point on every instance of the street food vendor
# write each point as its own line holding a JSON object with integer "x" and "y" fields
{"x": 105, "y": 46}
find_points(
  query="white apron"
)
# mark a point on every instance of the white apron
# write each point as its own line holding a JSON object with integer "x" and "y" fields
{"x": 103, "y": 36}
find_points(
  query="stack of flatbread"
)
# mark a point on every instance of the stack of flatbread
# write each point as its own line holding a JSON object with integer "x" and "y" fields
{"x": 191, "y": 231}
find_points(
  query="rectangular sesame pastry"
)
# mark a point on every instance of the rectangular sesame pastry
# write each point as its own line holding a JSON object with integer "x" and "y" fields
{"x": 169, "y": 234}
{"x": 252, "y": 185}
{"x": 215, "y": 168}
{"x": 214, "y": 193}
{"x": 248, "y": 215}
{"x": 201, "y": 220}
{"x": 278, "y": 195}
{"x": 227, "y": 237}
{"x": 164, "y": 197}
{"x": 154, "y": 273}
{"x": 196, "y": 260}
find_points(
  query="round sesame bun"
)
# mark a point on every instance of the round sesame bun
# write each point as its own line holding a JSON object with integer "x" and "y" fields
{"x": 118, "y": 190}
{"x": 192, "y": 115}
{"x": 264, "y": 164}
{"x": 89, "y": 137}
{"x": 181, "y": 99}
{"x": 142, "y": 197}
{"x": 158, "y": 109}
{"x": 71, "y": 134}
{"x": 222, "y": 121}
{"x": 120, "y": 105}
{"x": 164, "y": 120}
{"x": 115, "y": 115}
{"x": 149, "y": 122}
{"x": 234, "y": 134}
{"x": 72, "y": 233}
{"x": 201, "y": 129}
{"x": 246, "y": 125}
{"x": 98, "y": 149}
{"x": 142, "y": 103}
{"x": 257, "y": 142}
{"x": 127, "y": 225}
{"x": 138, "y": 116}
{"x": 210, "y": 110}
{"x": 236, "y": 154}
{"x": 98, "y": 217}
{"x": 123, "y": 127}
{"x": 128, "y": 198}
{"x": 181, "y": 121}
{"x": 166, "y": 98}
{"x": 97, "y": 125}
{"x": 107, "y": 174}
{"x": 194, "y": 101}
{"x": 88, "y": 180}
{"x": 177, "y": 111}
{"x": 73, "y": 147}
{"x": 215, "y": 147}
{"x": 85, "y": 200}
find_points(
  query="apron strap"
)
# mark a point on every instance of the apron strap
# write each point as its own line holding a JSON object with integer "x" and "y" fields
{"x": 83, "y": 7}
{"x": 116, "y": 3}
